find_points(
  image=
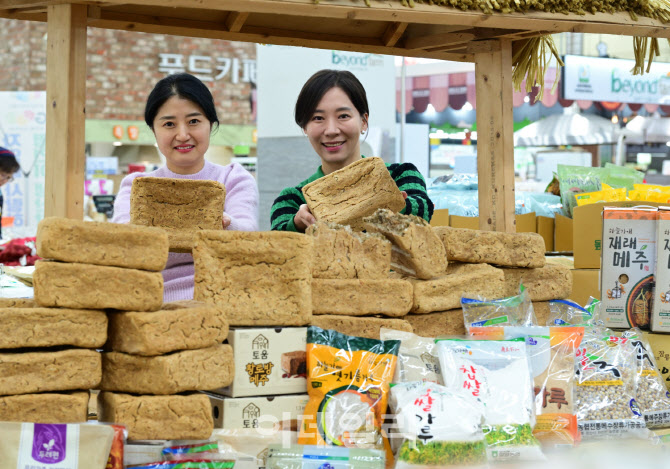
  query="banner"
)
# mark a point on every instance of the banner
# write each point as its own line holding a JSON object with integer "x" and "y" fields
{"x": 23, "y": 131}
{"x": 602, "y": 79}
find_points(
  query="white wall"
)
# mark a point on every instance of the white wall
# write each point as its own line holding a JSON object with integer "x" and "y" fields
{"x": 282, "y": 70}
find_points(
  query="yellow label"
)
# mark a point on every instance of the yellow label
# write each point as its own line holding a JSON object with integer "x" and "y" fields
{"x": 616, "y": 382}
{"x": 649, "y": 373}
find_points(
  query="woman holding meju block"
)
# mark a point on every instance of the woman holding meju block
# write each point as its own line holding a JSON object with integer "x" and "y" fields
{"x": 332, "y": 110}
{"x": 181, "y": 113}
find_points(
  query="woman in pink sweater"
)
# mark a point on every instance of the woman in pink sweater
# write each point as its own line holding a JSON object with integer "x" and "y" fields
{"x": 181, "y": 113}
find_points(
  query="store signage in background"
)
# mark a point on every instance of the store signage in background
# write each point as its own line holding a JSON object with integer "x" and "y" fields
{"x": 207, "y": 68}
{"x": 603, "y": 79}
{"x": 23, "y": 131}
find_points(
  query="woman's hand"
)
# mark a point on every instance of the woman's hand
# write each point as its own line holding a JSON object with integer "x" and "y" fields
{"x": 226, "y": 221}
{"x": 303, "y": 218}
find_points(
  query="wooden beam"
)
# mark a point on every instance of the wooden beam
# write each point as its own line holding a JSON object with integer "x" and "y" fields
{"x": 424, "y": 13}
{"x": 236, "y": 20}
{"x": 214, "y": 30}
{"x": 438, "y": 40}
{"x": 66, "y": 113}
{"x": 495, "y": 139}
{"x": 393, "y": 33}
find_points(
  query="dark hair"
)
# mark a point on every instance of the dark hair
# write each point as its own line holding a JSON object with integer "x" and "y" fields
{"x": 185, "y": 86}
{"x": 8, "y": 163}
{"x": 322, "y": 81}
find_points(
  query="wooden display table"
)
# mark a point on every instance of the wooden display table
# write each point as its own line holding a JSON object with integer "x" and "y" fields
{"x": 384, "y": 27}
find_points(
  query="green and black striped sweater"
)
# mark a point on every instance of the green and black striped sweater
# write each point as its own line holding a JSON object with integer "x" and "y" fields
{"x": 405, "y": 175}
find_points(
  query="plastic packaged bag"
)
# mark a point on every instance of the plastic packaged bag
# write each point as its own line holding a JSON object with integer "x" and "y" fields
{"x": 186, "y": 464}
{"x": 309, "y": 457}
{"x": 348, "y": 384}
{"x": 569, "y": 313}
{"x": 652, "y": 395}
{"x": 622, "y": 176}
{"x": 577, "y": 179}
{"x": 463, "y": 182}
{"x": 511, "y": 311}
{"x": 545, "y": 204}
{"x": 207, "y": 450}
{"x": 249, "y": 446}
{"x": 606, "y": 194}
{"x": 552, "y": 361}
{"x": 498, "y": 373}
{"x": 439, "y": 427}
{"x": 417, "y": 357}
{"x": 605, "y": 395}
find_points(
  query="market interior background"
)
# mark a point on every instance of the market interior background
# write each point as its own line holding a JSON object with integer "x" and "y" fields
{"x": 255, "y": 87}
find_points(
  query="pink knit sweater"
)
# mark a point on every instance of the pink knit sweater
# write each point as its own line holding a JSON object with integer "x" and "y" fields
{"x": 241, "y": 206}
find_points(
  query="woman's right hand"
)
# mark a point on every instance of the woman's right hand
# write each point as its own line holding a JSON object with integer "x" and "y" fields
{"x": 303, "y": 218}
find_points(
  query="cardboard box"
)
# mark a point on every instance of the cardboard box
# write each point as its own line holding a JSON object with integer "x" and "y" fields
{"x": 525, "y": 223}
{"x": 258, "y": 412}
{"x": 588, "y": 229}
{"x": 563, "y": 234}
{"x": 660, "y": 315}
{"x": 268, "y": 361}
{"x": 440, "y": 217}
{"x": 545, "y": 228}
{"x": 628, "y": 260}
{"x": 585, "y": 284}
{"x": 660, "y": 345}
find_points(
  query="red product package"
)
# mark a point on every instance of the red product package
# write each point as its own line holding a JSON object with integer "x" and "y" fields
{"x": 115, "y": 460}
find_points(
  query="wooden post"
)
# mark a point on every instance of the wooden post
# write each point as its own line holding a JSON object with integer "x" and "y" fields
{"x": 66, "y": 99}
{"x": 495, "y": 139}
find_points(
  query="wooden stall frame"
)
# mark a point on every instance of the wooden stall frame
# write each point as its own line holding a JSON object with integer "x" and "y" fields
{"x": 383, "y": 27}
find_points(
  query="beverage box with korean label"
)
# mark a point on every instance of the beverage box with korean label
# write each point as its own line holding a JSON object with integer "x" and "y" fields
{"x": 264, "y": 412}
{"x": 268, "y": 361}
{"x": 628, "y": 265}
{"x": 660, "y": 314}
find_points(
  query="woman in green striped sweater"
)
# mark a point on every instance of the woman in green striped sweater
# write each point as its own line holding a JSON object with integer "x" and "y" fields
{"x": 332, "y": 109}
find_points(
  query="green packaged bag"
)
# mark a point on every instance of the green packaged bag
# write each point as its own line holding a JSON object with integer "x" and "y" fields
{"x": 575, "y": 179}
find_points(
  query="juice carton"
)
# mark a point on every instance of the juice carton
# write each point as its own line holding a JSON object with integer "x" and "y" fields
{"x": 628, "y": 266}
{"x": 660, "y": 317}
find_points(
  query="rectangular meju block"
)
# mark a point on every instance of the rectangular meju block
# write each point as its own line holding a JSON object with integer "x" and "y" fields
{"x": 64, "y": 370}
{"x": 438, "y": 323}
{"x": 181, "y": 206}
{"x": 342, "y": 253}
{"x": 17, "y": 303}
{"x": 48, "y": 327}
{"x": 189, "y": 370}
{"x": 86, "y": 286}
{"x": 99, "y": 243}
{"x": 45, "y": 408}
{"x": 361, "y": 297}
{"x": 417, "y": 250}
{"x": 256, "y": 278}
{"x": 294, "y": 363}
{"x": 492, "y": 247}
{"x": 181, "y": 417}
{"x": 368, "y": 327}
{"x": 347, "y": 195}
{"x": 181, "y": 325}
{"x": 551, "y": 282}
{"x": 445, "y": 293}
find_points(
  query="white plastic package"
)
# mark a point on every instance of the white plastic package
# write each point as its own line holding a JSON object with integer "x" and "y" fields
{"x": 438, "y": 427}
{"x": 417, "y": 357}
{"x": 511, "y": 311}
{"x": 498, "y": 373}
